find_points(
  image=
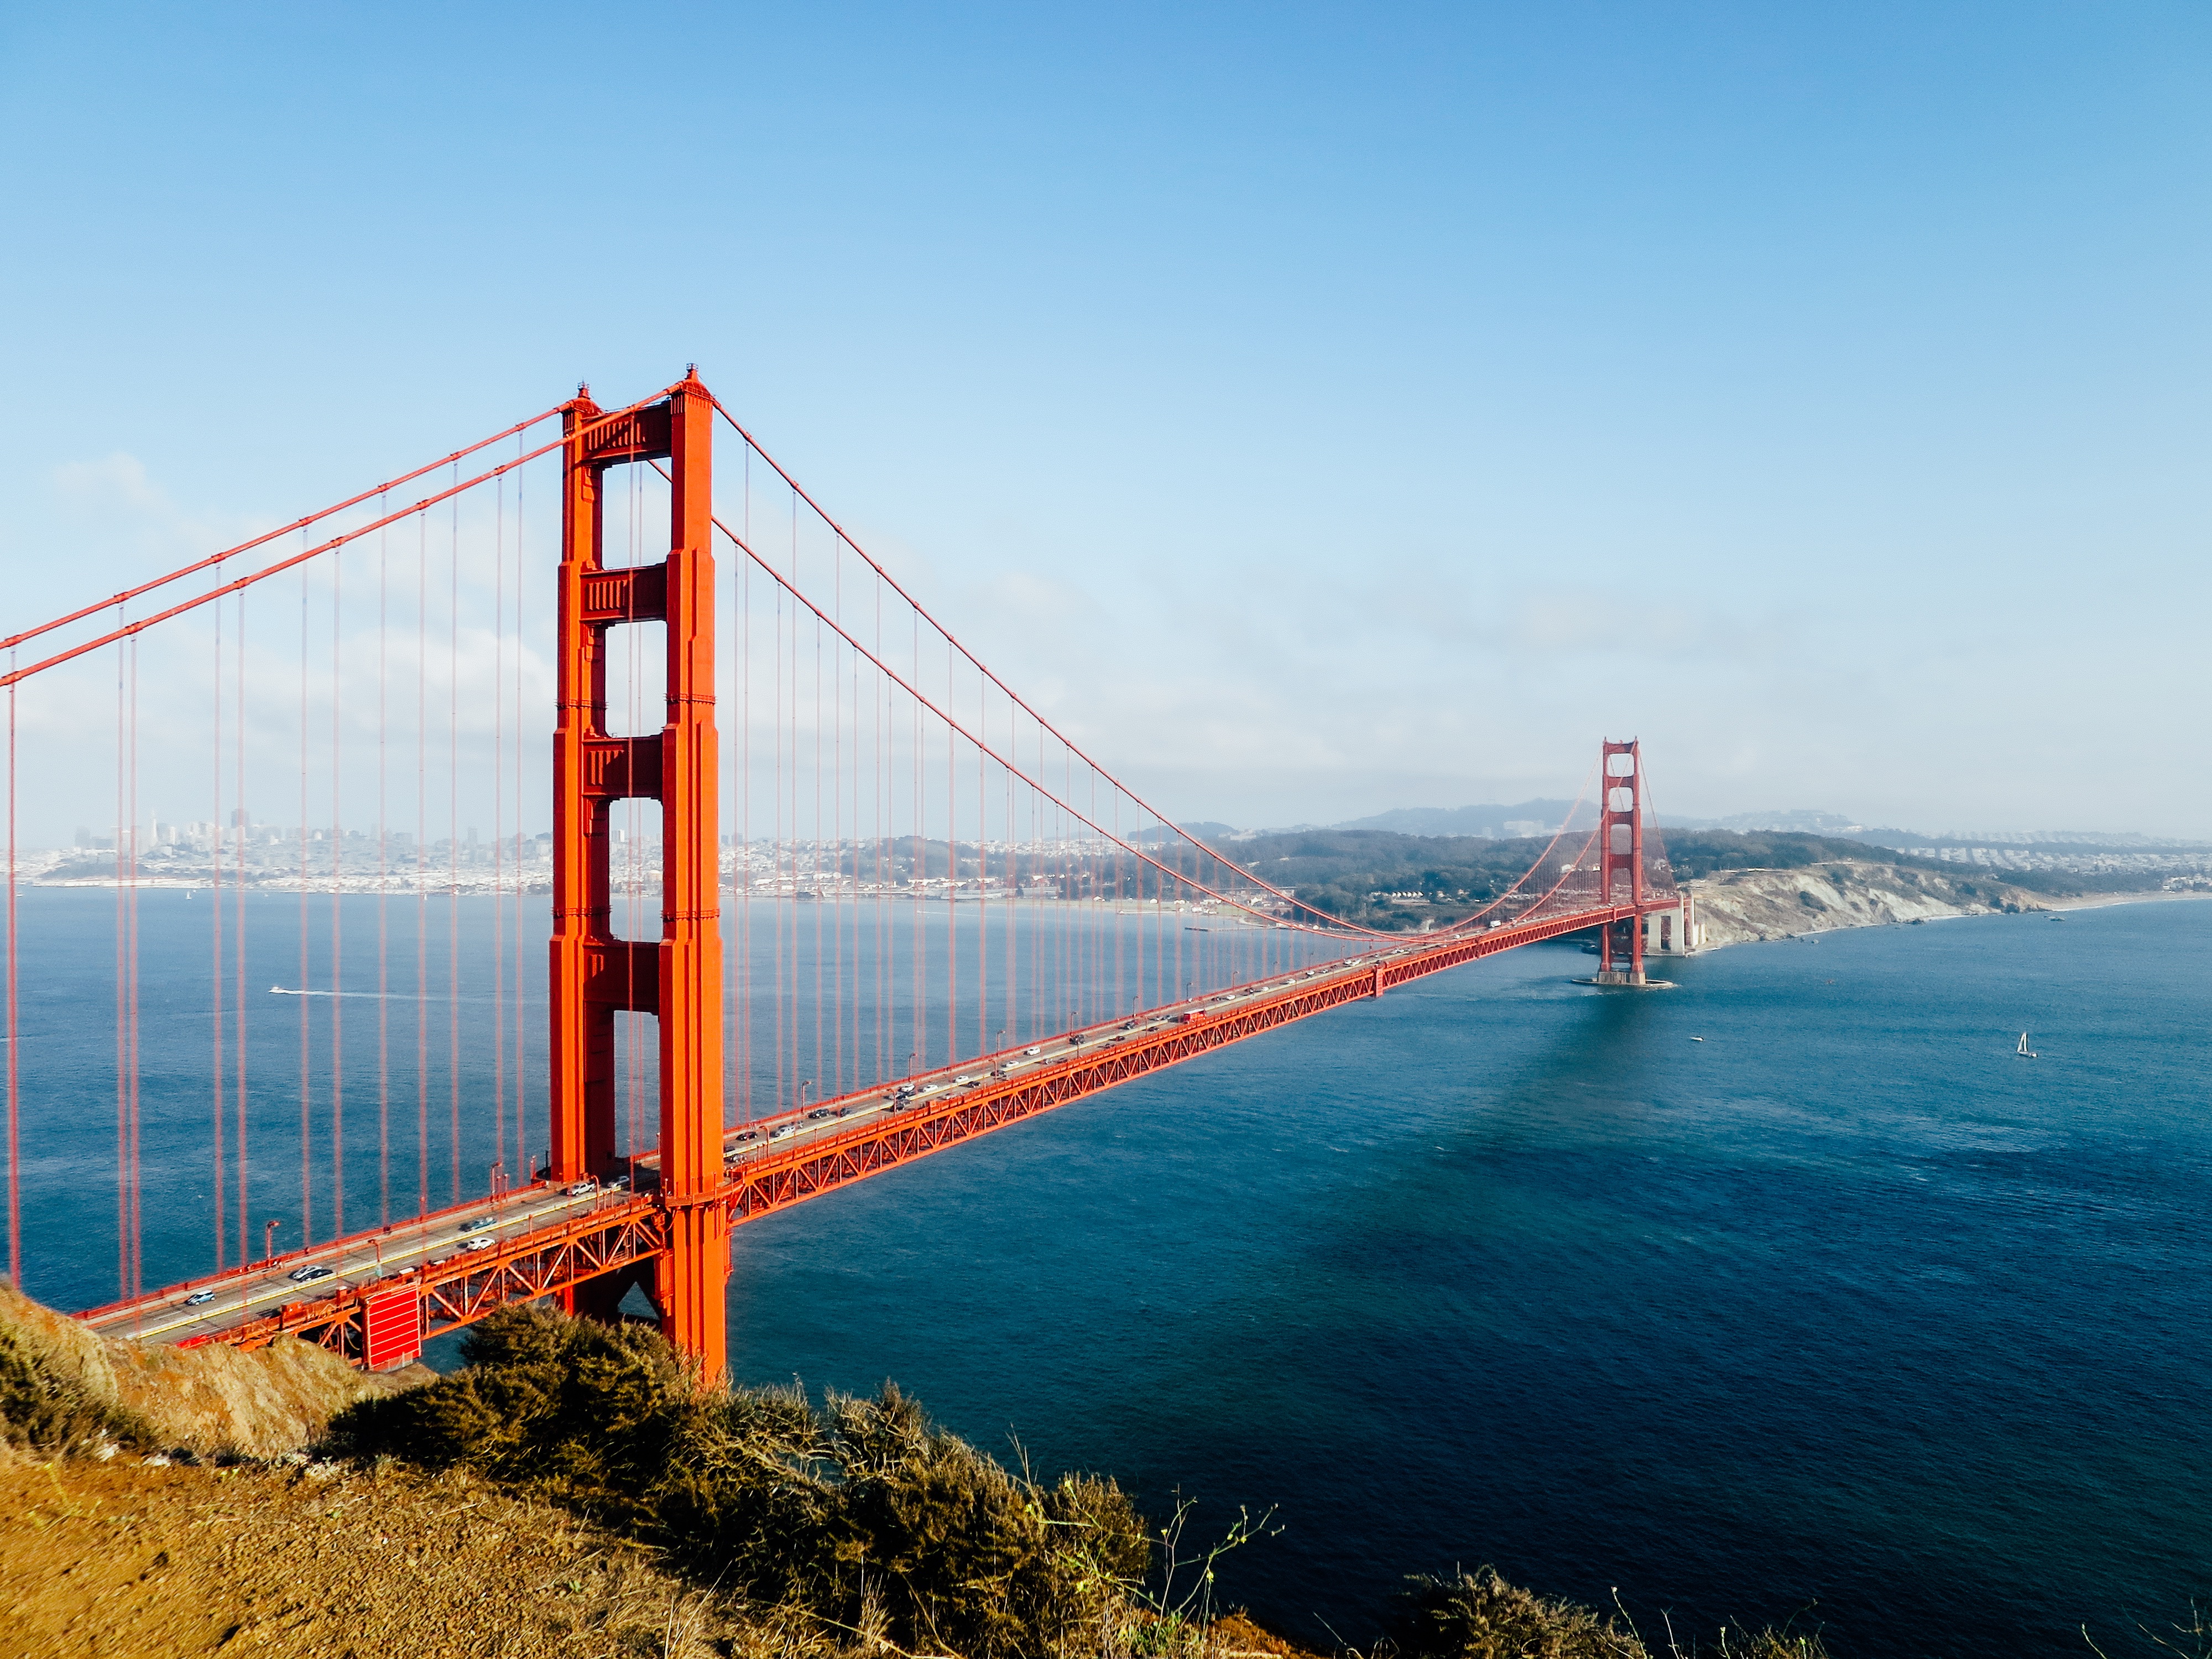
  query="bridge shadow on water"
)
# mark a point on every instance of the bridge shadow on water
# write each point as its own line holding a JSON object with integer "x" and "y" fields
{"x": 1841, "y": 1311}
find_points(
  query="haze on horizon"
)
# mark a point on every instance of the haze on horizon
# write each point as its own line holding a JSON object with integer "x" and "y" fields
{"x": 1314, "y": 411}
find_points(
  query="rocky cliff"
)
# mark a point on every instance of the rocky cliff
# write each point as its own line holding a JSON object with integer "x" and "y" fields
{"x": 1736, "y": 906}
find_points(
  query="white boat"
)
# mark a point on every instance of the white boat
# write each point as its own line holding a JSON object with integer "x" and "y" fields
{"x": 2024, "y": 1051}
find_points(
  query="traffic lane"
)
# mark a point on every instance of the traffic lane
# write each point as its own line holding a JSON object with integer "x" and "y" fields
{"x": 785, "y": 1131}
{"x": 349, "y": 1265}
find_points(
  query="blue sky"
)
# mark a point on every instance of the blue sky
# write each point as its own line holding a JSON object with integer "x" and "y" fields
{"x": 1321, "y": 410}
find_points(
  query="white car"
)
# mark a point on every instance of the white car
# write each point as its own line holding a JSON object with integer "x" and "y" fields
{"x": 966, "y": 1081}
{"x": 782, "y": 1130}
{"x": 1033, "y": 1049}
{"x": 481, "y": 1241}
{"x": 198, "y": 1297}
{"x": 583, "y": 1189}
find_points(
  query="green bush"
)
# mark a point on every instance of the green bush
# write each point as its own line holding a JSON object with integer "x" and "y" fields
{"x": 867, "y": 1513}
{"x": 1478, "y": 1615}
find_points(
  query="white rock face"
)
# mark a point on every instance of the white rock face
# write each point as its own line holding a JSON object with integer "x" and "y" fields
{"x": 1740, "y": 905}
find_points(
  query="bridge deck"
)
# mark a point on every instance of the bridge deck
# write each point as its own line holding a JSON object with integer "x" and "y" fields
{"x": 541, "y": 1239}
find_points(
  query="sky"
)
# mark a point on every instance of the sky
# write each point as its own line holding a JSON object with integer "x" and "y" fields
{"x": 1315, "y": 409}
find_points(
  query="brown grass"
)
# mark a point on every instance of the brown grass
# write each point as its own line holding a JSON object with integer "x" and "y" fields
{"x": 62, "y": 1384}
{"x": 122, "y": 1559}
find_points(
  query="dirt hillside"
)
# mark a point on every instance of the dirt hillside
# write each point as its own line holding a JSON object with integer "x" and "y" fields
{"x": 211, "y": 1400}
{"x": 131, "y": 1560}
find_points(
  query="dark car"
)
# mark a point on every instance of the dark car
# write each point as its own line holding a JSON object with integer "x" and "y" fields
{"x": 309, "y": 1275}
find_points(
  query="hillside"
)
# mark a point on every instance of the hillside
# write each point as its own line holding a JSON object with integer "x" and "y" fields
{"x": 62, "y": 1384}
{"x": 131, "y": 1559}
{"x": 1385, "y": 880}
{"x": 1739, "y": 906}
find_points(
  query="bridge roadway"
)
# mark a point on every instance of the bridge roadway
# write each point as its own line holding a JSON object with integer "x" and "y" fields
{"x": 458, "y": 1264}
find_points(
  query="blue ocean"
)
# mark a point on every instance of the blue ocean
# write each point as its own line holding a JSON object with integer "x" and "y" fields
{"x": 1788, "y": 1294}
{"x": 1844, "y": 1315}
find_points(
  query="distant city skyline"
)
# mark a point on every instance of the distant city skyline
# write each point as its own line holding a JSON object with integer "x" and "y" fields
{"x": 1315, "y": 411}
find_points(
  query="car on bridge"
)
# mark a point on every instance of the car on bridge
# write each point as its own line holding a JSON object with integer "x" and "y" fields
{"x": 309, "y": 1275}
{"x": 481, "y": 1241}
{"x": 818, "y": 1113}
{"x": 782, "y": 1131}
{"x": 198, "y": 1297}
{"x": 748, "y": 1134}
{"x": 583, "y": 1189}
{"x": 1033, "y": 1048}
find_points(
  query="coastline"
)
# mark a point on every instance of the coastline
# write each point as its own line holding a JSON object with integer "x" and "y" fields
{"x": 1747, "y": 907}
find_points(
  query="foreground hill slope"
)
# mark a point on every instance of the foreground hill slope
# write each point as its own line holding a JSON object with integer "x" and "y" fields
{"x": 131, "y": 1560}
{"x": 62, "y": 1384}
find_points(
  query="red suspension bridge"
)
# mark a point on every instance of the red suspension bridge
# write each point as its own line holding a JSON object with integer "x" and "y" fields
{"x": 891, "y": 908}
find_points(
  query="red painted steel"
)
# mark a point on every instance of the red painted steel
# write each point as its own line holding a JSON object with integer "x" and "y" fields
{"x": 593, "y": 974}
{"x": 391, "y": 1329}
{"x": 1620, "y": 849}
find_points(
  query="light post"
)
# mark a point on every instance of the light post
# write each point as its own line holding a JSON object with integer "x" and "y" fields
{"x": 268, "y": 1241}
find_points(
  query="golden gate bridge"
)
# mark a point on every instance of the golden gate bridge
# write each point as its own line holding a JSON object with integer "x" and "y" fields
{"x": 894, "y": 907}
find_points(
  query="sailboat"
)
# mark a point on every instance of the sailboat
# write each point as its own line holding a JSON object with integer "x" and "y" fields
{"x": 2024, "y": 1051}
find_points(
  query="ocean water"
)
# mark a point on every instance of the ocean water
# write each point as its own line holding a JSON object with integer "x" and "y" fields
{"x": 1843, "y": 1315}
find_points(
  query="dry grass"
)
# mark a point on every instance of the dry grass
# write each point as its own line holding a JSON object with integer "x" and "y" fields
{"x": 123, "y": 1559}
{"x": 63, "y": 1385}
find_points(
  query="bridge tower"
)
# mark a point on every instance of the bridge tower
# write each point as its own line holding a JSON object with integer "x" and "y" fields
{"x": 678, "y": 977}
{"x": 1620, "y": 857}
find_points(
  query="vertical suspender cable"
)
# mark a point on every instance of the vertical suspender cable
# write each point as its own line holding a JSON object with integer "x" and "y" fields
{"x": 744, "y": 928}
{"x": 951, "y": 877}
{"x": 521, "y": 592}
{"x": 242, "y": 825}
{"x": 383, "y": 878}
{"x": 15, "y": 1030}
{"x": 122, "y": 1034}
{"x": 453, "y": 839}
{"x": 338, "y": 852}
{"x": 137, "y": 1193}
{"x": 498, "y": 828}
{"x": 422, "y": 865}
{"x": 307, "y": 1192}
{"x": 219, "y": 1210}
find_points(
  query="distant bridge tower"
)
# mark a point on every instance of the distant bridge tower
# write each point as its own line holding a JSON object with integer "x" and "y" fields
{"x": 1620, "y": 859}
{"x": 677, "y": 978}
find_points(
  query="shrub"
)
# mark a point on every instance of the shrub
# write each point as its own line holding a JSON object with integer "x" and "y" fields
{"x": 868, "y": 1514}
{"x": 1478, "y": 1615}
